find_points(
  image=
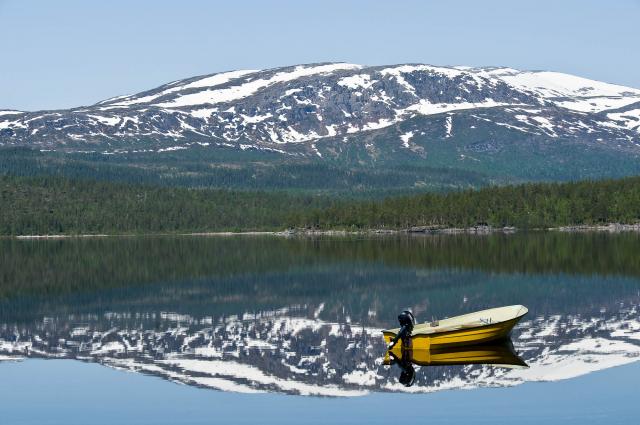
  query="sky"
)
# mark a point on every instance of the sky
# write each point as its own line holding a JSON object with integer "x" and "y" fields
{"x": 60, "y": 54}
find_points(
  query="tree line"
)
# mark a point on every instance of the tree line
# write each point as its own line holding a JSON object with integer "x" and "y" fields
{"x": 57, "y": 205}
{"x": 526, "y": 206}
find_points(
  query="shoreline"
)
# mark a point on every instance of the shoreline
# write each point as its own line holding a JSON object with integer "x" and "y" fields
{"x": 610, "y": 228}
{"x": 419, "y": 230}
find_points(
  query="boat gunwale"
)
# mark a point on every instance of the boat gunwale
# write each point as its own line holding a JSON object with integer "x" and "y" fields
{"x": 516, "y": 319}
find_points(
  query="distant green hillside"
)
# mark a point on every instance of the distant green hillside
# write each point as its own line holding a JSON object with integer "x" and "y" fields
{"x": 243, "y": 170}
{"x": 57, "y": 205}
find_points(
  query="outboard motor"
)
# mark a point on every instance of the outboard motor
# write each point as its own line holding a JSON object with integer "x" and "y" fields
{"x": 407, "y": 322}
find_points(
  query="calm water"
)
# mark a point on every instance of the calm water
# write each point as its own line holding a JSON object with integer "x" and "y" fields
{"x": 302, "y": 317}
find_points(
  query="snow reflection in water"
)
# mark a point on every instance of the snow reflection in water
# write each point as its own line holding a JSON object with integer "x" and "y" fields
{"x": 277, "y": 351}
{"x": 304, "y": 316}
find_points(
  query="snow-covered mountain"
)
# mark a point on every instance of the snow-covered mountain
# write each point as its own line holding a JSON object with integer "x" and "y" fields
{"x": 283, "y": 351}
{"x": 317, "y": 110}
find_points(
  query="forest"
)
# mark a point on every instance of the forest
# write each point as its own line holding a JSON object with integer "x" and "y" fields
{"x": 58, "y": 205}
{"x": 525, "y": 206}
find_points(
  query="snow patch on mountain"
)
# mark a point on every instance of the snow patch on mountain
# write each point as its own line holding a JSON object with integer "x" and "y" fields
{"x": 568, "y": 91}
{"x": 406, "y": 137}
{"x": 249, "y": 88}
{"x": 105, "y": 120}
{"x": 356, "y": 81}
{"x": 272, "y": 109}
{"x": 628, "y": 119}
{"x": 425, "y": 107}
{"x": 448, "y": 125}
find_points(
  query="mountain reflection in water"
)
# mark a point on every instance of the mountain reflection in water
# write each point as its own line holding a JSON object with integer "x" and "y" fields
{"x": 304, "y": 316}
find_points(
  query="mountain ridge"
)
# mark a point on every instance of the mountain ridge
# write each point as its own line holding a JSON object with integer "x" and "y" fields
{"x": 487, "y": 120}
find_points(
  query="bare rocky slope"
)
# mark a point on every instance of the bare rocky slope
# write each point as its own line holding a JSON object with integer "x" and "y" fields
{"x": 496, "y": 121}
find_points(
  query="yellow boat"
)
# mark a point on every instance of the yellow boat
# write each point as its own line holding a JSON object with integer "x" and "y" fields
{"x": 473, "y": 328}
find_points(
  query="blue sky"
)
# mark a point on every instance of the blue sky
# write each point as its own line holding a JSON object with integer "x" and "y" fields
{"x": 58, "y": 54}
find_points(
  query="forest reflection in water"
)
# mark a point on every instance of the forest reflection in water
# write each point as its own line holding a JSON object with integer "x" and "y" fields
{"x": 304, "y": 315}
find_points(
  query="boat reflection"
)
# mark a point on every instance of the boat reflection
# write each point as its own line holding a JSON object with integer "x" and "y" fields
{"x": 501, "y": 354}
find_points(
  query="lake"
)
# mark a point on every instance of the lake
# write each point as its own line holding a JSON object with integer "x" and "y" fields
{"x": 273, "y": 329}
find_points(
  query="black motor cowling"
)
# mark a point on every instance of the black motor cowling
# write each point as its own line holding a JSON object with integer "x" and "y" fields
{"x": 406, "y": 318}
{"x": 407, "y": 322}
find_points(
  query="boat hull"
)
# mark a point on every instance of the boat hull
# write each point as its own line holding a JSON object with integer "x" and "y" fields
{"x": 459, "y": 337}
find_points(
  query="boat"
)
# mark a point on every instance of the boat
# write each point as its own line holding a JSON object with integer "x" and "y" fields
{"x": 474, "y": 328}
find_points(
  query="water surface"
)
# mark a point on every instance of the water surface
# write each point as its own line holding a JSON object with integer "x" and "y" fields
{"x": 303, "y": 316}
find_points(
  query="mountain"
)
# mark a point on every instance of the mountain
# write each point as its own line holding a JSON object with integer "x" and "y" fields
{"x": 499, "y": 122}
